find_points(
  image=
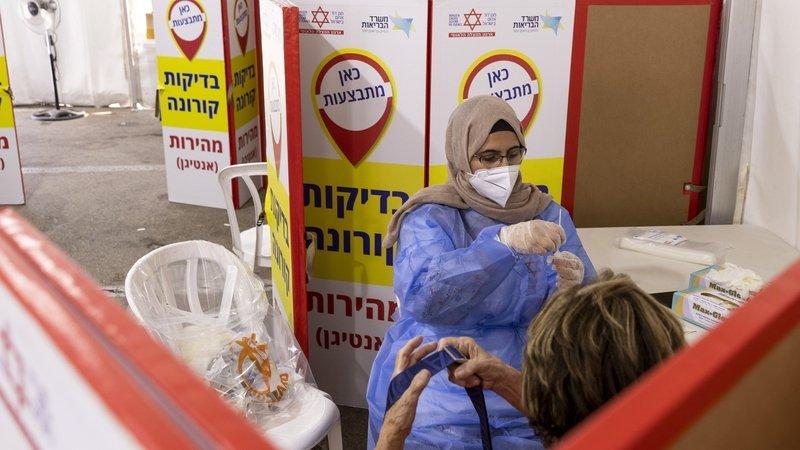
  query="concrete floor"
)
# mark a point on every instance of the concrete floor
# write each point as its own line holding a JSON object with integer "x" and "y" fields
{"x": 97, "y": 188}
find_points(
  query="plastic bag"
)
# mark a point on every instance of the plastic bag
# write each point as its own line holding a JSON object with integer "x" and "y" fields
{"x": 209, "y": 309}
{"x": 672, "y": 246}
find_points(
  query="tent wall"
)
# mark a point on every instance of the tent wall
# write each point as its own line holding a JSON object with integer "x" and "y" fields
{"x": 90, "y": 49}
{"x": 773, "y": 186}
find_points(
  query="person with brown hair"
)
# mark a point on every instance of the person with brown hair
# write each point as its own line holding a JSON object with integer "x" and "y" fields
{"x": 585, "y": 346}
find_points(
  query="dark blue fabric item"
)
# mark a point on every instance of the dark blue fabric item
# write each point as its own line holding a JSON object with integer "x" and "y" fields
{"x": 435, "y": 363}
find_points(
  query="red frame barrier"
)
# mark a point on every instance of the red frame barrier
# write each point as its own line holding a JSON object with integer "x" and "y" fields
{"x": 149, "y": 392}
{"x": 576, "y": 93}
{"x": 650, "y": 416}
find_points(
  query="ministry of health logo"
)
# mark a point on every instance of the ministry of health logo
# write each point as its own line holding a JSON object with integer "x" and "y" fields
{"x": 384, "y": 24}
{"x": 534, "y": 23}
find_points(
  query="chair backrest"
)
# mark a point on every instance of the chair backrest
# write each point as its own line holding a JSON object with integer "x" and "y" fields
{"x": 190, "y": 283}
{"x": 246, "y": 172}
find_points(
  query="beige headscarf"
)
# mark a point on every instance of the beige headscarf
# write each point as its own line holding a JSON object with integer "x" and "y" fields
{"x": 469, "y": 126}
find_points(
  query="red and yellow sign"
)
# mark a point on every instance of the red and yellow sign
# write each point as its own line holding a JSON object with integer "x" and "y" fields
{"x": 509, "y": 75}
{"x": 353, "y": 96}
{"x": 186, "y": 20}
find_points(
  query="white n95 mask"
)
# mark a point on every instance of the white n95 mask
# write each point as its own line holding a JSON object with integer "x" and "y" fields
{"x": 495, "y": 184}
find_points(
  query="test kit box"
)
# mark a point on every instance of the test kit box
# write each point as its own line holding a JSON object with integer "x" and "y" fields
{"x": 735, "y": 295}
{"x": 703, "y": 307}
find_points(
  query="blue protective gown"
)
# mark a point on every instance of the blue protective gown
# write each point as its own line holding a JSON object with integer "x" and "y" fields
{"x": 453, "y": 277}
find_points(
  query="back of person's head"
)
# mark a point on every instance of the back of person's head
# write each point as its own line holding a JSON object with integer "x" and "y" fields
{"x": 586, "y": 345}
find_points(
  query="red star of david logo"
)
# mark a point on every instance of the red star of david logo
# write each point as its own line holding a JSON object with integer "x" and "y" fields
{"x": 476, "y": 19}
{"x": 316, "y": 20}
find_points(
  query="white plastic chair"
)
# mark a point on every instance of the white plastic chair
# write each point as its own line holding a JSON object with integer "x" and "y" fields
{"x": 150, "y": 286}
{"x": 255, "y": 240}
{"x": 244, "y": 243}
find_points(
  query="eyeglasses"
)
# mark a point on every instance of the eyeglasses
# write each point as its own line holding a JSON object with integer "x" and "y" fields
{"x": 494, "y": 158}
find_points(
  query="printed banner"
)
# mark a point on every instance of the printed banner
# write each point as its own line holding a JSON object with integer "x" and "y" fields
{"x": 244, "y": 78}
{"x": 363, "y": 102}
{"x": 208, "y": 91}
{"x": 34, "y": 383}
{"x": 519, "y": 51}
{"x": 284, "y": 151}
{"x": 11, "y": 190}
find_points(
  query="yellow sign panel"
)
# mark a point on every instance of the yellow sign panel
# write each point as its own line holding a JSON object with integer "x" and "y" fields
{"x": 6, "y": 109}
{"x": 244, "y": 88}
{"x": 192, "y": 93}
{"x": 350, "y": 209}
{"x": 278, "y": 218}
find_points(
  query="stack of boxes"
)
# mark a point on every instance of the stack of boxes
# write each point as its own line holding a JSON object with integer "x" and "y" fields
{"x": 714, "y": 293}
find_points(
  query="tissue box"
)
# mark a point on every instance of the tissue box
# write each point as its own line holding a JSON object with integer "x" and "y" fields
{"x": 734, "y": 294}
{"x": 704, "y": 307}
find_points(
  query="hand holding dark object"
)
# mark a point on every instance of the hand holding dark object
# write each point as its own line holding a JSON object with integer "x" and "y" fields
{"x": 482, "y": 367}
{"x": 412, "y": 353}
{"x": 400, "y": 417}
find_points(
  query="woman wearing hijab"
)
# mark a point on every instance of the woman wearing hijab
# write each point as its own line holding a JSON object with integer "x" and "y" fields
{"x": 477, "y": 256}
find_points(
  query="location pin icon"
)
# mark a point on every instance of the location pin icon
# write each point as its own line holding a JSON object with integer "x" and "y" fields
{"x": 509, "y": 75}
{"x": 186, "y": 20}
{"x": 353, "y": 97}
{"x": 241, "y": 19}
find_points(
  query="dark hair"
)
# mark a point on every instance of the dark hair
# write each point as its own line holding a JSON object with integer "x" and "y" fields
{"x": 586, "y": 345}
{"x": 502, "y": 125}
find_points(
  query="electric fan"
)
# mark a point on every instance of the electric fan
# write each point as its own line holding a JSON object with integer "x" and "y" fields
{"x": 42, "y": 17}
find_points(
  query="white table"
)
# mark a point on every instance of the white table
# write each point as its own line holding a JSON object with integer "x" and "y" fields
{"x": 752, "y": 247}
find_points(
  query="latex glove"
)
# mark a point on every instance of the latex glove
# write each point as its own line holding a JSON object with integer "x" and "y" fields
{"x": 569, "y": 269}
{"x": 533, "y": 237}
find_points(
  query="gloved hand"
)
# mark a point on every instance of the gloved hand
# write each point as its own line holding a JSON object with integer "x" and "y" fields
{"x": 534, "y": 236}
{"x": 569, "y": 269}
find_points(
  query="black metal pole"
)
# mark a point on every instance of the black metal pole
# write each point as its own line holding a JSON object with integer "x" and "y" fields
{"x": 50, "y": 44}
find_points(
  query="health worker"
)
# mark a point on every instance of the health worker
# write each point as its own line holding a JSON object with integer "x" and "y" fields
{"x": 477, "y": 256}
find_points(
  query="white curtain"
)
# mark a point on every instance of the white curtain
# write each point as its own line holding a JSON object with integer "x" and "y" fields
{"x": 144, "y": 50}
{"x": 772, "y": 199}
{"x": 91, "y": 52}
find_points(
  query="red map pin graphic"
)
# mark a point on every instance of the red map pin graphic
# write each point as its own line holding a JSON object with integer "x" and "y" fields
{"x": 275, "y": 115}
{"x": 186, "y": 20}
{"x": 241, "y": 19}
{"x": 353, "y": 96}
{"x": 509, "y": 75}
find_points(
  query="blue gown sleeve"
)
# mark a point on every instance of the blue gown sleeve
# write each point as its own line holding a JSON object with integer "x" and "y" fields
{"x": 438, "y": 283}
